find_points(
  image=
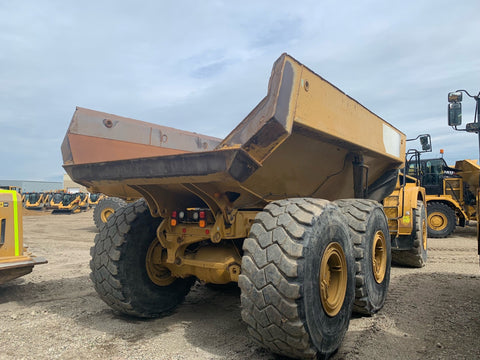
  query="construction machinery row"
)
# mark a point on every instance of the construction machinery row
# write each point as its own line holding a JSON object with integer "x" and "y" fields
{"x": 60, "y": 201}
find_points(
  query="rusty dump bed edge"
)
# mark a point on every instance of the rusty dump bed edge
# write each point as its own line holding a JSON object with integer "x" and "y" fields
{"x": 305, "y": 138}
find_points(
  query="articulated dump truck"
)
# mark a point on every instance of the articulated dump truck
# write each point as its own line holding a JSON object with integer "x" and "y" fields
{"x": 15, "y": 261}
{"x": 288, "y": 205}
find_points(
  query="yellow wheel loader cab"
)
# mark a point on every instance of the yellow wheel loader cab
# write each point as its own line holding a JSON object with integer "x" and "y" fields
{"x": 14, "y": 259}
{"x": 282, "y": 206}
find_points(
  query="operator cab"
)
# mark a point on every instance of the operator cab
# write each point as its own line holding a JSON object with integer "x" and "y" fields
{"x": 431, "y": 173}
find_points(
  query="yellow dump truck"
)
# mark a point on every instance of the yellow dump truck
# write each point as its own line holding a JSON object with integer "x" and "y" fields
{"x": 288, "y": 205}
{"x": 15, "y": 261}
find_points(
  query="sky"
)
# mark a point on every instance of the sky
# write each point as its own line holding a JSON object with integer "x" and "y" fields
{"x": 202, "y": 66}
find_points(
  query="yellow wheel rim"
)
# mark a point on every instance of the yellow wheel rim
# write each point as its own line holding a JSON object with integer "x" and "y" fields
{"x": 379, "y": 256}
{"x": 159, "y": 274}
{"x": 333, "y": 279}
{"x": 437, "y": 221}
{"x": 106, "y": 213}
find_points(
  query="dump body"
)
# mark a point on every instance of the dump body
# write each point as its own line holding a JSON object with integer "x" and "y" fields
{"x": 306, "y": 138}
{"x": 470, "y": 173}
{"x": 252, "y": 208}
{"x": 14, "y": 259}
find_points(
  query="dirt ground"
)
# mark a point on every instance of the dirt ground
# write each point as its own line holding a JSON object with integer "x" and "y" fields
{"x": 54, "y": 312}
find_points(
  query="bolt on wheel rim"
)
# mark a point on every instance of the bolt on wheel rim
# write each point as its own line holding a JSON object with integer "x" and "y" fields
{"x": 379, "y": 256}
{"x": 333, "y": 278}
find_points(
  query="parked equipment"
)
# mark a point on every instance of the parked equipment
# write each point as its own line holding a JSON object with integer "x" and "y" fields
{"x": 35, "y": 200}
{"x": 94, "y": 199}
{"x": 71, "y": 203}
{"x": 287, "y": 205}
{"x": 450, "y": 193}
{"x": 15, "y": 261}
{"x": 55, "y": 200}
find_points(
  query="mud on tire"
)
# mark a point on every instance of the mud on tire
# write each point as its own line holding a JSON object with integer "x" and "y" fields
{"x": 372, "y": 247}
{"x": 291, "y": 244}
{"x": 119, "y": 270}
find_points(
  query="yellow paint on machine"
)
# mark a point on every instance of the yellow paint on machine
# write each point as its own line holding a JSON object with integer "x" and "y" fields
{"x": 10, "y": 219}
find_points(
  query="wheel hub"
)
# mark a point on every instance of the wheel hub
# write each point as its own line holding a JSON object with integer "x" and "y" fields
{"x": 333, "y": 279}
{"x": 437, "y": 221}
{"x": 379, "y": 256}
{"x": 106, "y": 213}
{"x": 159, "y": 274}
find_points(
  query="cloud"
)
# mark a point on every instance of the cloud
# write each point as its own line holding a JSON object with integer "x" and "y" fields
{"x": 204, "y": 66}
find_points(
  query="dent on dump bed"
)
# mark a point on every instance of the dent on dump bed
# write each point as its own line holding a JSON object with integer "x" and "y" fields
{"x": 285, "y": 205}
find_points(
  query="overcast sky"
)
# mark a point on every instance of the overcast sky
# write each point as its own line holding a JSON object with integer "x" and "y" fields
{"x": 203, "y": 65}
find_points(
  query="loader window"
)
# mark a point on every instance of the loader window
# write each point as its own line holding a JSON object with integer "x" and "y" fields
{"x": 432, "y": 176}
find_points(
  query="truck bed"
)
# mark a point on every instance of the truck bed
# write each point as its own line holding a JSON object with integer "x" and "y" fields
{"x": 302, "y": 140}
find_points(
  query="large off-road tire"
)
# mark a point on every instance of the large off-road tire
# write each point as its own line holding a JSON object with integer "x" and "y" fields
{"x": 441, "y": 219}
{"x": 119, "y": 266}
{"x": 371, "y": 241}
{"x": 417, "y": 255}
{"x": 298, "y": 278}
{"x": 106, "y": 208}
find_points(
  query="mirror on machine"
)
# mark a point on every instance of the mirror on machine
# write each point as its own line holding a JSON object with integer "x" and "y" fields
{"x": 454, "y": 109}
{"x": 426, "y": 142}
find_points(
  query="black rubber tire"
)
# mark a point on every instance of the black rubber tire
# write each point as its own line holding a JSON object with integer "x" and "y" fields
{"x": 118, "y": 265}
{"x": 279, "y": 282}
{"x": 447, "y": 212}
{"x": 366, "y": 220}
{"x": 112, "y": 203}
{"x": 418, "y": 254}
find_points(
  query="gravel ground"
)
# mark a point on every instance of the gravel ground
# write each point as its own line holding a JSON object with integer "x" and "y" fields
{"x": 54, "y": 313}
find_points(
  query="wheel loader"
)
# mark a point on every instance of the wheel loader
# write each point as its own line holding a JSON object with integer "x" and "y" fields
{"x": 450, "y": 193}
{"x": 288, "y": 205}
{"x": 15, "y": 261}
